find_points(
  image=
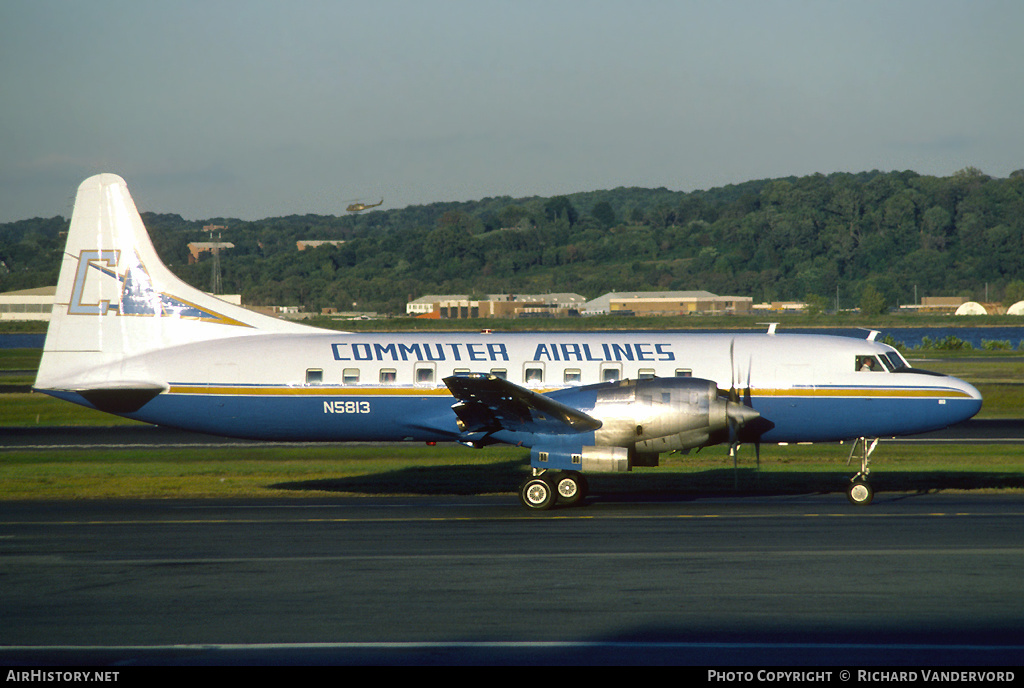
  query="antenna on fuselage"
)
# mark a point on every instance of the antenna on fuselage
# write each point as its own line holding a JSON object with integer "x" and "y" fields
{"x": 871, "y": 333}
{"x": 772, "y": 326}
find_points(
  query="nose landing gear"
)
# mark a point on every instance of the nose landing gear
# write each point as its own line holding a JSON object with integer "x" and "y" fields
{"x": 859, "y": 492}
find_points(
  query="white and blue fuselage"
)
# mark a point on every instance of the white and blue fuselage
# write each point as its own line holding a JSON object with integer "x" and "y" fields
{"x": 368, "y": 387}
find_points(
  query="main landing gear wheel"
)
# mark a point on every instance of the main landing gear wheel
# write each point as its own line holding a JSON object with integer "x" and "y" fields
{"x": 860, "y": 493}
{"x": 571, "y": 488}
{"x": 538, "y": 494}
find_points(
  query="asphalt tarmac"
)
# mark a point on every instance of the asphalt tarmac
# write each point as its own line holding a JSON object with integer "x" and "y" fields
{"x": 913, "y": 580}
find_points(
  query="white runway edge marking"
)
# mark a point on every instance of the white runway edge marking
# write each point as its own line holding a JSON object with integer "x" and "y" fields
{"x": 165, "y": 445}
{"x": 515, "y": 645}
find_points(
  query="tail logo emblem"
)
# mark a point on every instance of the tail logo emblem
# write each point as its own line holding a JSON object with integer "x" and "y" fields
{"x": 137, "y": 296}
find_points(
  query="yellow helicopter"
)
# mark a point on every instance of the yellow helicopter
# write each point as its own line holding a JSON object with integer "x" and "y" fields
{"x": 356, "y": 207}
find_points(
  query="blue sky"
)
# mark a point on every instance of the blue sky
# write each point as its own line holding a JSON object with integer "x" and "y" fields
{"x": 252, "y": 109}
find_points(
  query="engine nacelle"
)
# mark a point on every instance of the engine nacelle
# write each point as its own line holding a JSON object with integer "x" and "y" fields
{"x": 642, "y": 418}
{"x": 664, "y": 414}
{"x": 589, "y": 459}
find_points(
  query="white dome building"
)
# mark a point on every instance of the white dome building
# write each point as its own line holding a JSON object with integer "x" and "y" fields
{"x": 971, "y": 308}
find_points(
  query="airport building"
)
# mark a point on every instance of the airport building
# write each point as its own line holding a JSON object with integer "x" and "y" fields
{"x": 781, "y": 307}
{"x": 556, "y": 305}
{"x": 936, "y": 304}
{"x": 669, "y": 303}
{"x": 27, "y": 304}
{"x": 460, "y": 306}
{"x": 302, "y": 245}
{"x": 197, "y": 247}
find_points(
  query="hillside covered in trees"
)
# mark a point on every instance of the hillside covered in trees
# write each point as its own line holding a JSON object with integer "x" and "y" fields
{"x": 872, "y": 237}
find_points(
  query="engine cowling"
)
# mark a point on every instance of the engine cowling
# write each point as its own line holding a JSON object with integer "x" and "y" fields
{"x": 665, "y": 414}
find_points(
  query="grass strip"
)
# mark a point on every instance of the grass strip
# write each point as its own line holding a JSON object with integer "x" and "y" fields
{"x": 365, "y": 470}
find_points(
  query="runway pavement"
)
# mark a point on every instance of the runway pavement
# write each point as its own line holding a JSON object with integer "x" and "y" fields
{"x": 923, "y": 579}
{"x": 772, "y": 580}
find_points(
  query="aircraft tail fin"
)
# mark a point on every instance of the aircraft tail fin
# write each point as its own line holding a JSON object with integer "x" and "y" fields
{"x": 115, "y": 297}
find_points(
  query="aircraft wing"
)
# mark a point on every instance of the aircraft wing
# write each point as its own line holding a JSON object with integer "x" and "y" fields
{"x": 488, "y": 403}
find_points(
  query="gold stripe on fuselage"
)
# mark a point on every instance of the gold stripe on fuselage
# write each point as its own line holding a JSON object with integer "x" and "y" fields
{"x": 324, "y": 390}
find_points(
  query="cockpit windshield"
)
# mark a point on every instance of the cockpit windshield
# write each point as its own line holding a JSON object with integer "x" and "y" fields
{"x": 866, "y": 363}
{"x": 897, "y": 360}
{"x": 888, "y": 362}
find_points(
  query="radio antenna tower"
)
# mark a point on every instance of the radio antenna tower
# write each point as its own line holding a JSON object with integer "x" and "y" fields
{"x": 215, "y": 287}
{"x": 215, "y": 282}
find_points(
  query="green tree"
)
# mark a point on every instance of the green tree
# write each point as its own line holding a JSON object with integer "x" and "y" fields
{"x": 872, "y": 302}
{"x": 560, "y": 207}
{"x": 1014, "y": 292}
{"x": 816, "y": 304}
{"x": 604, "y": 214}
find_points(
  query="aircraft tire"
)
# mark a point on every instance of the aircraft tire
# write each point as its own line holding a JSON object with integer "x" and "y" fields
{"x": 571, "y": 487}
{"x": 860, "y": 493}
{"x": 537, "y": 494}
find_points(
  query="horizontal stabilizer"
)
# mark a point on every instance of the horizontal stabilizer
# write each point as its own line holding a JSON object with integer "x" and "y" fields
{"x": 125, "y": 397}
{"x": 488, "y": 403}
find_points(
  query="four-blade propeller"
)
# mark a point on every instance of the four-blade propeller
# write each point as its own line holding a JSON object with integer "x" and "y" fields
{"x": 739, "y": 412}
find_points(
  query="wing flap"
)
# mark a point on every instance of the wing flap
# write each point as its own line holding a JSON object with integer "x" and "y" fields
{"x": 488, "y": 403}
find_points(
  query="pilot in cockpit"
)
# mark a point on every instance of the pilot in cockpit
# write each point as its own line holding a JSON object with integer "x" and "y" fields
{"x": 866, "y": 363}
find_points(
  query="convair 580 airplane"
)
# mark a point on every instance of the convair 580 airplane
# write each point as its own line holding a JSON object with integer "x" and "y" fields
{"x": 130, "y": 338}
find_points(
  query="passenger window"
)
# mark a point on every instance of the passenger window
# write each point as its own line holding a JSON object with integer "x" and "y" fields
{"x": 534, "y": 375}
{"x": 499, "y": 373}
{"x": 350, "y": 376}
{"x": 684, "y": 372}
{"x": 645, "y": 374}
{"x": 388, "y": 376}
{"x": 424, "y": 375}
{"x": 460, "y": 371}
{"x": 572, "y": 375}
{"x": 314, "y": 376}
